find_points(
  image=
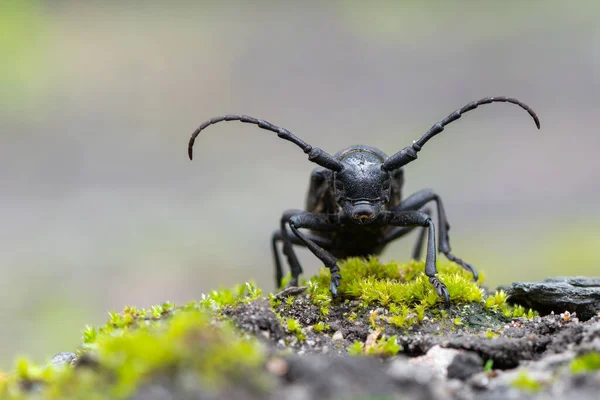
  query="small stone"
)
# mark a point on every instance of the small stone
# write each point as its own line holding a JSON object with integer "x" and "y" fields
{"x": 291, "y": 291}
{"x": 464, "y": 365}
{"x": 437, "y": 358}
{"x": 479, "y": 381}
{"x": 310, "y": 342}
{"x": 337, "y": 336}
{"x": 277, "y": 366}
{"x": 64, "y": 358}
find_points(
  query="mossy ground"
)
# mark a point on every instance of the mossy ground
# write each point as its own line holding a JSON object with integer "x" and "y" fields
{"x": 377, "y": 304}
{"x": 387, "y": 300}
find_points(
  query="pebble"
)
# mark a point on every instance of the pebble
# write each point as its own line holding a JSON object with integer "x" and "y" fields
{"x": 337, "y": 336}
{"x": 63, "y": 358}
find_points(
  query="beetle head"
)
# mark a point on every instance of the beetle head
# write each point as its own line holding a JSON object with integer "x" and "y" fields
{"x": 362, "y": 188}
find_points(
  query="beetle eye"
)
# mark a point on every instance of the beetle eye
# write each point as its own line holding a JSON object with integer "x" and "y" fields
{"x": 386, "y": 184}
{"x": 339, "y": 185}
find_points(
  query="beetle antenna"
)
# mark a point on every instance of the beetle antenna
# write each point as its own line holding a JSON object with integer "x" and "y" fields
{"x": 315, "y": 154}
{"x": 409, "y": 153}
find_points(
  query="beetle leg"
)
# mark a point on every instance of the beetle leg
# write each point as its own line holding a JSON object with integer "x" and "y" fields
{"x": 418, "y": 200}
{"x": 414, "y": 219}
{"x": 288, "y": 250}
{"x": 278, "y": 237}
{"x": 318, "y": 222}
{"x": 400, "y": 231}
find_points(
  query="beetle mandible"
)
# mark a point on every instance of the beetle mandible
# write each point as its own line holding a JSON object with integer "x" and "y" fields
{"x": 354, "y": 205}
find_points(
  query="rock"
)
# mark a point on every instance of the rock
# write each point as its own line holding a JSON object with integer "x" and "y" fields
{"x": 437, "y": 359}
{"x": 464, "y": 365}
{"x": 337, "y": 336}
{"x": 63, "y": 358}
{"x": 256, "y": 317}
{"x": 573, "y": 294}
{"x": 314, "y": 376}
{"x": 291, "y": 291}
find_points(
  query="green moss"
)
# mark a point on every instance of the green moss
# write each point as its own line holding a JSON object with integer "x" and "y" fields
{"x": 137, "y": 346}
{"x": 294, "y": 327}
{"x": 497, "y": 302}
{"x": 405, "y": 291}
{"x": 320, "y": 327}
{"x": 525, "y": 383}
{"x": 490, "y": 335}
{"x": 228, "y": 297}
{"x": 489, "y": 365}
{"x": 588, "y": 362}
{"x": 387, "y": 284}
{"x": 356, "y": 349}
{"x": 403, "y": 317}
{"x": 385, "y": 347}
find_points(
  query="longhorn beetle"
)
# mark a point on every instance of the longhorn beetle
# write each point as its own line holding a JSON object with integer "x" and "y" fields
{"x": 354, "y": 205}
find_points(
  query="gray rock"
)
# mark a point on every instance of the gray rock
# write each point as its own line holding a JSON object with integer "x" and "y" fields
{"x": 63, "y": 358}
{"x": 438, "y": 359}
{"x": 573, "y": 294}
{"x": 314, "y": 376}
{"x": 464, "y": 365}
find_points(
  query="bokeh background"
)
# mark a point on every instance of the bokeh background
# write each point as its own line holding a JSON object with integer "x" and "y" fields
{"x": 100, "y": 206}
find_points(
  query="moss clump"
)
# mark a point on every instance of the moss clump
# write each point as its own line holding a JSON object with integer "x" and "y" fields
{"x": 498, "y": 302}
{"x": 383, "y": 347}
{"x": 371, "y": 281}
{"x": 138, "y": 347}
{"x": 405, "y": 291}
{"x": 320, "y": 327}
{"x": 526, "y": 383}
{"x": 356, "y": 349}
{"x": 294, "y": 327}
{"x": 588, "y": 362}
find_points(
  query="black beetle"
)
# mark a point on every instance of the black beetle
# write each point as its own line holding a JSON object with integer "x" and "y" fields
{"x": 354, "y": 205}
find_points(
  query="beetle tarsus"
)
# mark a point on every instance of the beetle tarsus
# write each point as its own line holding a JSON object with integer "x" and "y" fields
{"x": 336, "y": 278}
{"x": 463, "y": 264}
{"x": 441, "y": 290}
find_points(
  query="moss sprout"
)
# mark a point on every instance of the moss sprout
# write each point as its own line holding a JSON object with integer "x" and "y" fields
{"x": 320, "y": 327}
{"x": 392, "y": 284}
{"x": 294, "y": 327}
{"x": 138, "y": 344}
{"x": 526, "y": 383}
{"x": 385, "y": 347}
{"x": 588, "y": 362}
{"x": 356, "y": 349}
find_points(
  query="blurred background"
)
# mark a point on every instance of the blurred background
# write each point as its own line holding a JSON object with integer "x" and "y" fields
{"x": 100, "y": 206}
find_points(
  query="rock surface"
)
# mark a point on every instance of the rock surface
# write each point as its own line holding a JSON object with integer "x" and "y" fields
{"x": 322, "y": 348}
{"x": 576, "y": 295}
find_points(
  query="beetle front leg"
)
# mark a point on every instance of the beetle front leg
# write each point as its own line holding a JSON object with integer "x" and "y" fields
{"x": 276, "y": 237}
{"x": 419, "y": 218}
{"x": 418, "y": 200}
{"x": 318, "y": 222}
